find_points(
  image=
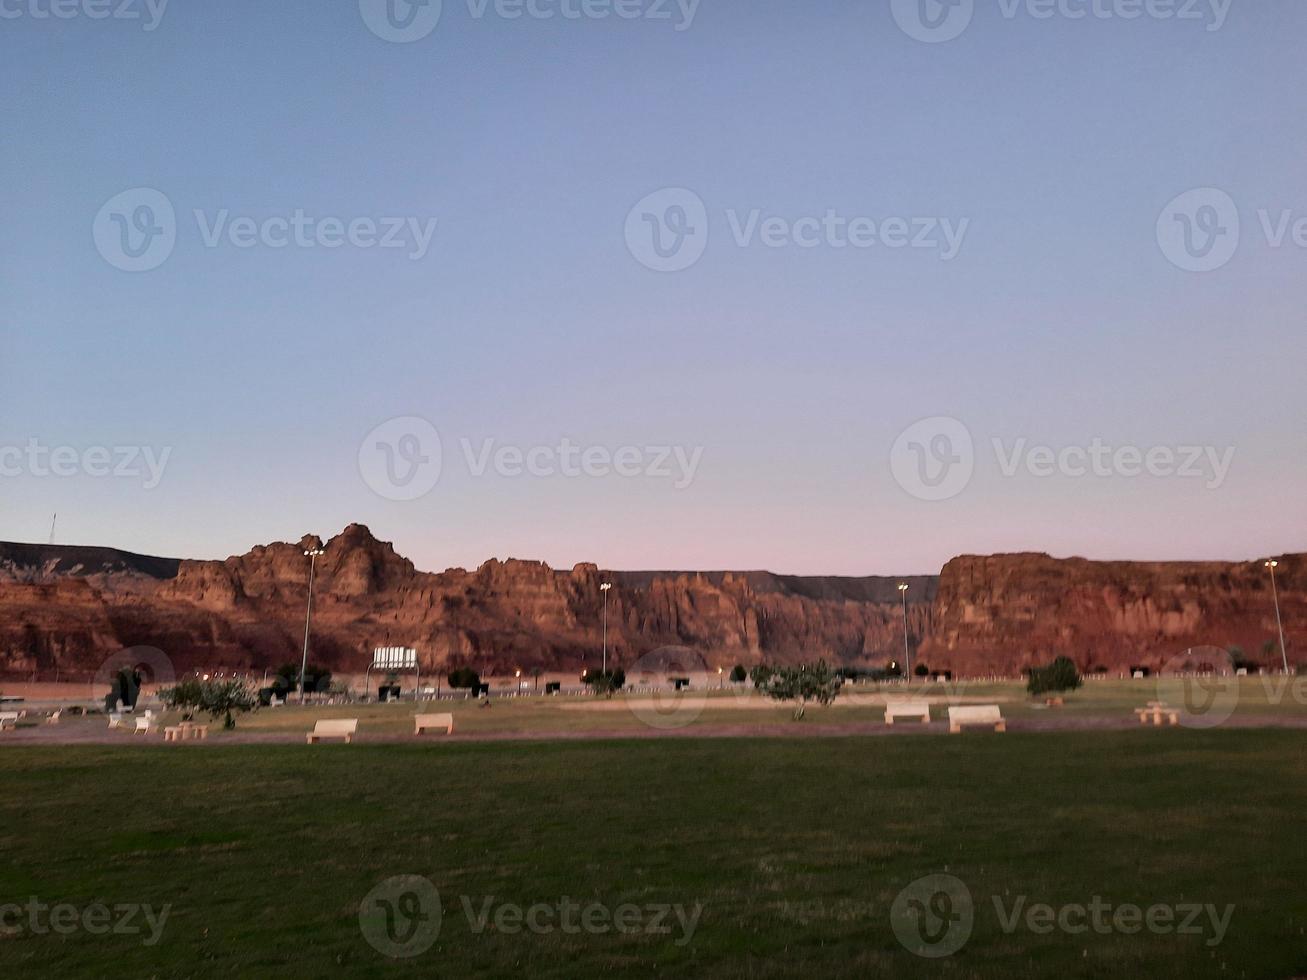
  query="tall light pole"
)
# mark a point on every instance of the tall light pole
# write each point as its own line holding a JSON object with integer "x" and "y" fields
{"x": 312, "y": 555}
{"x": 604, "y": 588}
{"x": 907, "y": 657}
{"x": 1275, "y": 594}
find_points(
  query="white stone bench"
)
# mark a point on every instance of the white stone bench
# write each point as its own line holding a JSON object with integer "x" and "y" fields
{"x": 423, "y": 722}
{"x": 333, "y": 728}
{"x": 8, "y": 719}
{"x": 975, "y": 714}
{"x": 907, "y": 709}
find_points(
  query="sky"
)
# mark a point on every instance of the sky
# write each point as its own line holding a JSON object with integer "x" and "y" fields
{"x": 822, "y": 287}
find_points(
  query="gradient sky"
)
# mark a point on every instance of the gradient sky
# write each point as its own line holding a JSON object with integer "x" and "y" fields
{"x": 1060, "y": 320}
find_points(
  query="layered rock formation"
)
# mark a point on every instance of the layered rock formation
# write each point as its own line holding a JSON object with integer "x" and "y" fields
{"x": 66, "y": 609}
{"x": 1002, "y": 612}
{"x": 248, "y": 611}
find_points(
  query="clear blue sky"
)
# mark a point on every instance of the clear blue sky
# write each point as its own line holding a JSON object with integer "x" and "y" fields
{"x": 1059, "y": 321}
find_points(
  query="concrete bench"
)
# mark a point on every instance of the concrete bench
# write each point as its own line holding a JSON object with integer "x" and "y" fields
{"x": 8, "y": 719}
{"x": 333, "y": 728}
{"x": 907, "y": 709}
{"x": 1155, "y": 712}
{"x": 422, "y": 723}
{"x": 975, "y": 714}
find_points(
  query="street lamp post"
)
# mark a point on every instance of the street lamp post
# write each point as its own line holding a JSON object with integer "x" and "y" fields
{"x": 907, "y": 656}
{"x": 604, "y": 588}
{"x": 1275, "y": 594}
{"x": 312, "y": 555}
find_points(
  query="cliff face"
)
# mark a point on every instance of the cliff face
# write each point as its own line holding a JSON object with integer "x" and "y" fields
{"x": 1002, "y": 612}
{"x": 68, "y": 608}
{"x": 248, "y": 611}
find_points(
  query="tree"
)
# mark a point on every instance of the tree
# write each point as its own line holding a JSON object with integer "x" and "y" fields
{"x": 760, "y": 675}
{"x": 921, "y": 670}
{"x": 464, "y": 677}
{"x": 738, "y": 674}
{"x": 807, "y": 682}
{"x": 316, "y": 677}
{"x": 606, "y": 683}
{"x": 215, "y": 698}
{"x": 1060, "y": 675}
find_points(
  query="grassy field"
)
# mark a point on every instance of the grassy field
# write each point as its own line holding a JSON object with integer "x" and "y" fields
{"x": 1112, "y": 699}
{"x": 795, "y": 850}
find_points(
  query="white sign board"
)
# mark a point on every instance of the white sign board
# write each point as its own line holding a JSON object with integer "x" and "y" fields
{"x": 394, "y": 658}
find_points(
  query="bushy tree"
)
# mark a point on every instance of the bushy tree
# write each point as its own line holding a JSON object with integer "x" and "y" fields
{"x": 738, "y": 674}
{"x": 760, "y": 675}
{"x": 1060, "y": 675}
{"x": 464, "y": 678}
{"x": 316, "y": 677}
{"x": 807, "y": 682}
{"x": 606, "y": 683}
{"x": 214, "y": 697}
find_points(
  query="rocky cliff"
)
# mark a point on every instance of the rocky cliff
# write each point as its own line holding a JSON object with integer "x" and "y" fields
{"x": 999, "y": 613}
{"x": 66, "y": 608}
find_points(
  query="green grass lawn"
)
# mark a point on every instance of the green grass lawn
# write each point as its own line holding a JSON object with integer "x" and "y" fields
{"x": 1256, "y": 698}
{"x": 795, "y": 849}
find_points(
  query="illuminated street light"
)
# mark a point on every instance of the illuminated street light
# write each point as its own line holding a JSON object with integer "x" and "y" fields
{"x": 604, "y": 588}
{"x": 1275, "y": 594}
{"x": 907, "y": 656}
{"x": 312, "y": 555}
